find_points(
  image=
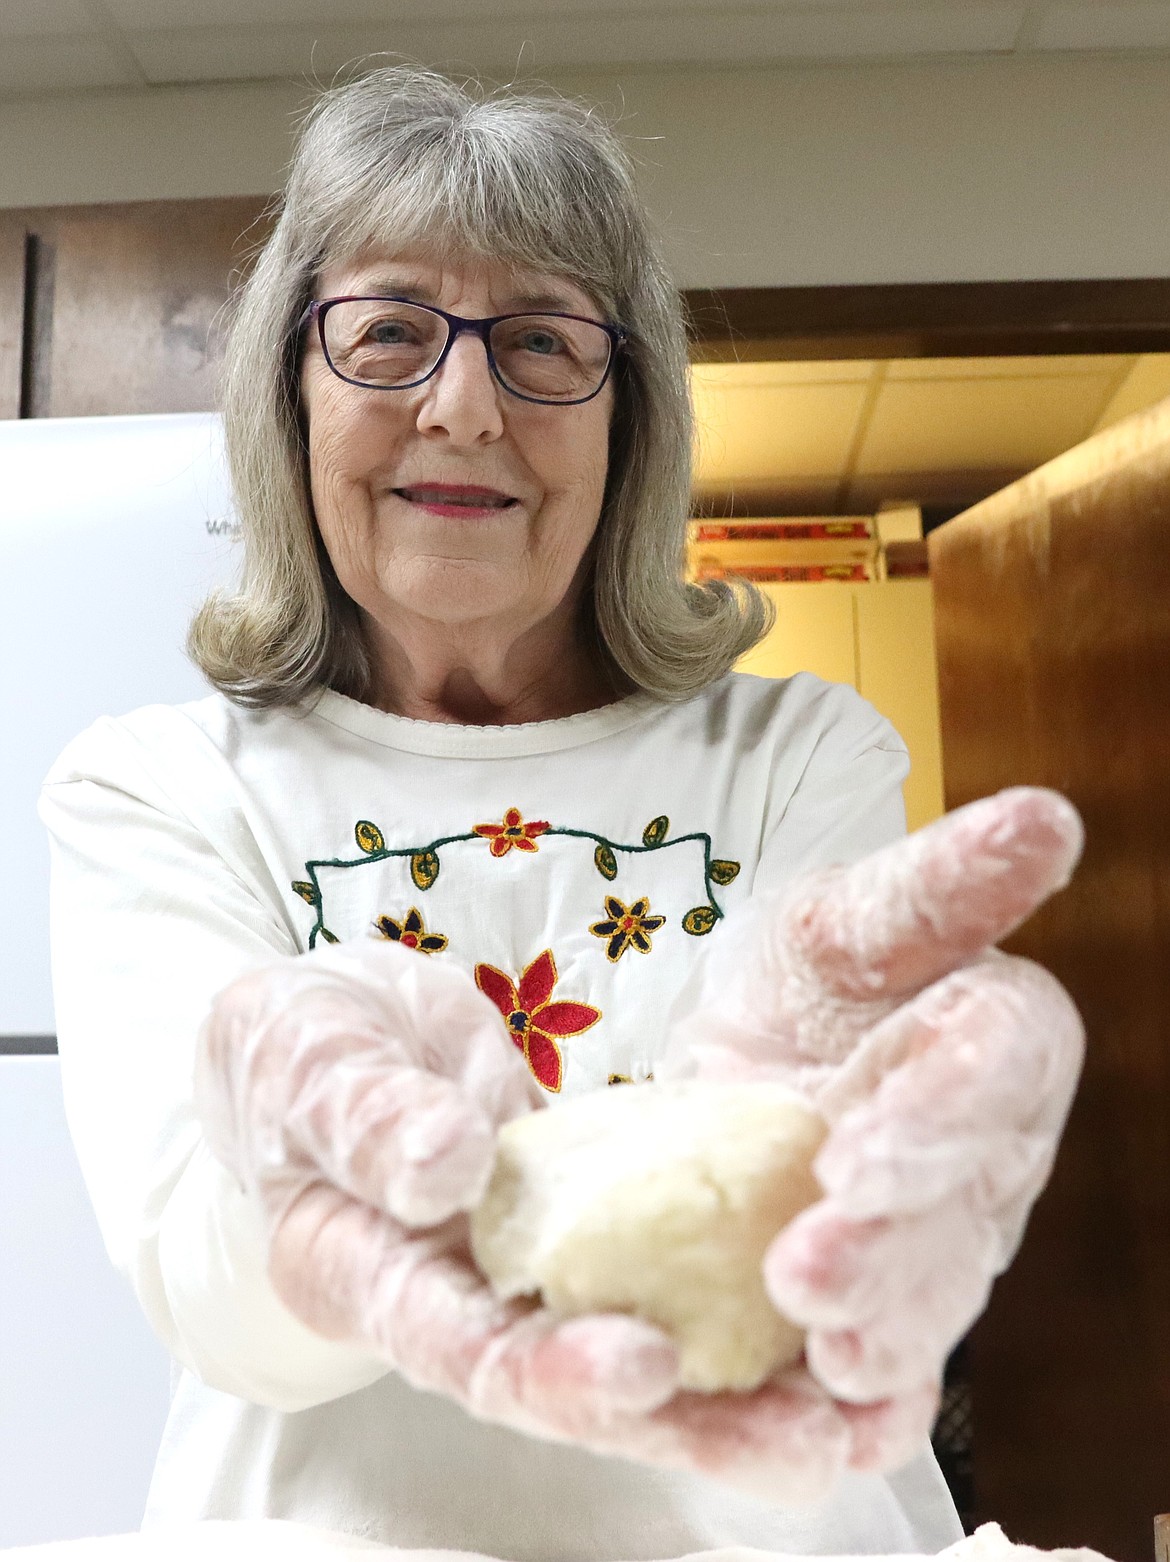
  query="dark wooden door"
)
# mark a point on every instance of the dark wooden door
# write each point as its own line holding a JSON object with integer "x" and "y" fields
{"x": 1052, "y": 611}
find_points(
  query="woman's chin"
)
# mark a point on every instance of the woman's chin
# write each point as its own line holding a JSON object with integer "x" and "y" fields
{"x": 452, "y": 592}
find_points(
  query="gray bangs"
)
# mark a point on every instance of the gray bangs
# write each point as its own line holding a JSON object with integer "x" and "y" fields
{"x": 491, "y": 179}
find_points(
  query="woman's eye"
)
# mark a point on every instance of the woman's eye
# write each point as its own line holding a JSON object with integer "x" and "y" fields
{"x": 544, "y": 342}
{"x": 388, "y": 333}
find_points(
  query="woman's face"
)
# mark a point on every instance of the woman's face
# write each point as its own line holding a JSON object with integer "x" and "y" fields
{"x": 390, "y": 469}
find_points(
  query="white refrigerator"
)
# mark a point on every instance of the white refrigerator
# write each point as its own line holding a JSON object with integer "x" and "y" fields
{"x": 111, "y": 532}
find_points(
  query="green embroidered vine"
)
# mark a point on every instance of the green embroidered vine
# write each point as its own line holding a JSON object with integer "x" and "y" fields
{"x": 425, "y": 862}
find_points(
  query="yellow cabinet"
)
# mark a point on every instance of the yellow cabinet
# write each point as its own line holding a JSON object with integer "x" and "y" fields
{"x": 879, "y": 636}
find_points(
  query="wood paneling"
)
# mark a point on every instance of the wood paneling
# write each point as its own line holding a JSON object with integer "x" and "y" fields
{"x": 11, "y": 318}
{"x": 1052, "y": 602}
{"x": 134, "y": 297}
{"x": 932, "y": 319}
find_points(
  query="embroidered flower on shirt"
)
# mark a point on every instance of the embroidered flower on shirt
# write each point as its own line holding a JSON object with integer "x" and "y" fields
{"x": 411, "y": 932}
{"x": 533, "y": 1021}
{"x": 626, "y": 927}
{"x": 513, "y": 832}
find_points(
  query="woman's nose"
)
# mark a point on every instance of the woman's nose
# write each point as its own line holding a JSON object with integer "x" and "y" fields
{"x": 462, "y": 398}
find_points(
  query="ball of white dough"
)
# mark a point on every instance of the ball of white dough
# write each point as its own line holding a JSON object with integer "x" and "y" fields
{"x": 658, "y": 1200}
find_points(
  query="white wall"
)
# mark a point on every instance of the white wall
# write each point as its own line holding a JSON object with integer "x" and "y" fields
{"x": 929, "y": 171}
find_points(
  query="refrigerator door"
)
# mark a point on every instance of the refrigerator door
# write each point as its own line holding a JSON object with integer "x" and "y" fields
{"x": 112, "y": 530}
{"x": 85, "y": 1384}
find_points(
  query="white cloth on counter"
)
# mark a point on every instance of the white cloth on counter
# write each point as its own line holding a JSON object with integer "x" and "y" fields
{"x": 275, "y": 1540}
{"x": 598, "y": 852}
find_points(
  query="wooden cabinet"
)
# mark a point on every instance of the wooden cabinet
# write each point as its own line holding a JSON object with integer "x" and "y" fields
{"x": 1052, "y": 605}
{"x": 120, "y": 306}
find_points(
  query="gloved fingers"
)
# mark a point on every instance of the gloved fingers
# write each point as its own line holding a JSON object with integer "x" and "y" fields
{"x": 419, "y": 1302}
{"x": 887, "y": 1434}
{"x": 898, "y": 1351}
{"x": 801, "y": 977}
{"x": 785, "y": 1443}
{"x": 514, "y": 1362}
{"x": 829, "y": 1272}
{"x": 990, "y": 1058}
{"x": 407, "y": 1141}
{"x": 610, "y": 1383}
{"x": 883, "y": 1301}
{"x": 375, "y": 995}
{"x": 572, "y": 1378}
{"x": 448, "y": 1026}
{"x": 388, "y": 1076}
{"x": 908, "y": 914}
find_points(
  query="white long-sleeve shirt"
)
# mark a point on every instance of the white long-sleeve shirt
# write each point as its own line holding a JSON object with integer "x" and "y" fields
{"x": 580, "y": 867}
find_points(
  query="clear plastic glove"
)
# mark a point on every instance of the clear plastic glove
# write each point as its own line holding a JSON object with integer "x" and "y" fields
{"x": 356, "y": 1092}
{"x": 945, "y": 1070}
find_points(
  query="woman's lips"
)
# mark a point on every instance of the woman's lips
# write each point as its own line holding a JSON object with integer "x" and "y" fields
{"x": 452, "y": 499}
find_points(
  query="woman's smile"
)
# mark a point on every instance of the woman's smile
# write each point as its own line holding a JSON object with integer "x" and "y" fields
{"x": 462, "y": 501}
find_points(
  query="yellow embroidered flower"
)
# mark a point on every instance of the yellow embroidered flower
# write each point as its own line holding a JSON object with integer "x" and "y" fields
{"x": 626, "y": 927}
{"x": 411, "y": 932}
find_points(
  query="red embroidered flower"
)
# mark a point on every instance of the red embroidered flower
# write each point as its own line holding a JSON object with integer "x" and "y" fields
{"x": 411, "y": 932}
{"x": 513, "y": 832}
{"x": 531, "y": 1019}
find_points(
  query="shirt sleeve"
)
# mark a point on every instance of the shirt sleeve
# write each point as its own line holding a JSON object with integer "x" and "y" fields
{"x": 847, "y": 800}
{"x": 149, "y": 920}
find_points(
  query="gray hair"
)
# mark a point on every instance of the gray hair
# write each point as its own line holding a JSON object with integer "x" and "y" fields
{"x": 402, "y": 155}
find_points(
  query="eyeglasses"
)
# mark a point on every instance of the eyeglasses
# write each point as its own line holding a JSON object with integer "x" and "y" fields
{"x": 394, "y": 344}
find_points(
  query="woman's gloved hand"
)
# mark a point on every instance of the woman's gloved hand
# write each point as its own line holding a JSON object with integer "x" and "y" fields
{"x": 945, "y": 1070}
{"x": 356, "y": 1092}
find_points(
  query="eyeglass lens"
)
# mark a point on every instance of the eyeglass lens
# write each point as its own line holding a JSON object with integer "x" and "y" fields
{"x": 378, "y": 342}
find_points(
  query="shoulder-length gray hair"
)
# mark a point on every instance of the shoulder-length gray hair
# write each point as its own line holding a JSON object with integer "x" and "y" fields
{"x": 403, "y": 155}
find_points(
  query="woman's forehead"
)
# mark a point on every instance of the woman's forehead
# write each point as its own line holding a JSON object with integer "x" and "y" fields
{"x": 446, "y": 280}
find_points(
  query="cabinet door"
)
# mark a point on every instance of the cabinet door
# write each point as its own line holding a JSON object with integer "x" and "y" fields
{"x": 879, "y": 637}
{"x": 127, "y": 302}
{"x": 1052, "y": 602}
{"x": 898, "y": 673}
{"x": 813, "y": 633}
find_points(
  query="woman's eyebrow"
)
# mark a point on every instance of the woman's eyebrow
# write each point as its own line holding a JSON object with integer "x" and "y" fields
{"x": 517, "y": 303}
{"x": 541, "y": 302}
{"x": 396, "y": 287}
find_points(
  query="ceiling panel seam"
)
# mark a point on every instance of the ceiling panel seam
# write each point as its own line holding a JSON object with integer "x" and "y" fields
{"x": 864, "y": 417}
{"x": 1029, "y": 29}
{"x": 1126, "y": 368}
{"x": 117, "y": 40}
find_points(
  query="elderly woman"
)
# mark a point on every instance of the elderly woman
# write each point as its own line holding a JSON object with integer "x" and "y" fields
{"x": 480, "y": 818}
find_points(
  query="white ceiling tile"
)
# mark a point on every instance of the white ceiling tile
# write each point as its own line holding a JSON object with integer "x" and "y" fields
{"x": 896, "y": 31}
{"x": 969, "y": 425}
{"x": 243, "y": 53}
{"x": 575, "y": 38}
{"x": 1104, "y": 26}
{"x": 32, "y": 65}
{"x": 759, "y": 433}
{"x": 1026, "y": 368}
{"x": 34, "y": 18}
{"x": 150, "y": 14}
